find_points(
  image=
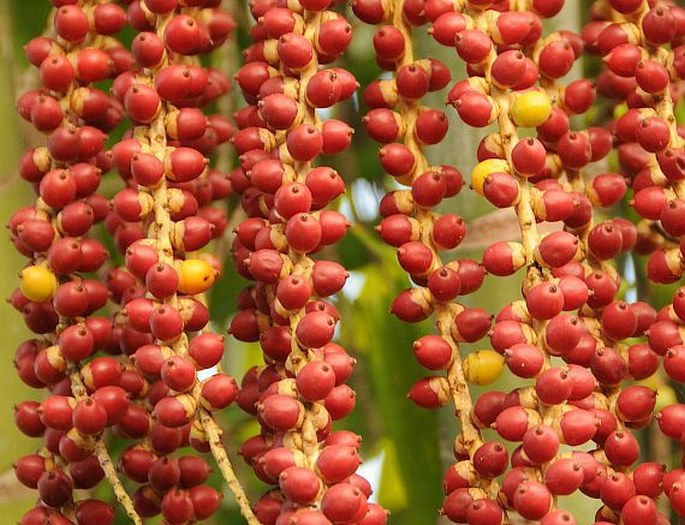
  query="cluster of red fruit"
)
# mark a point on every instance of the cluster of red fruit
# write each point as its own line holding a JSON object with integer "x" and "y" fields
{"x": 166, "y": 214}
{"x": 151, "y": 392}
{"x": 567, "y": 333}
{"x": 57, "y": 302}
{"x": 643, "y": 70}
{"x": 301, "y": 390}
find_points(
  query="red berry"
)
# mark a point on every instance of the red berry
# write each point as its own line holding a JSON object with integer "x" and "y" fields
{"x": 540, "y": 444}
{"x": 532, "y": 500}
{"x": 55, "y": 488}
{"x": 315, "y": 380}
{"x": 524, "y": 360}
{"x": 337, "y": 462}
{"x": 177, "y": 507}
{"x": 71, "y": 23}
{"x": 616, "y": 489}
{"x": 545, "y": 300}
{"x": 564, "y": 476}
{"x": 621, "y": 448}
{"x": 490, "y": 459}
{"x": 89, "y": 417}
{"x": 342, "y": 502}
{"x": 299, "y": 484}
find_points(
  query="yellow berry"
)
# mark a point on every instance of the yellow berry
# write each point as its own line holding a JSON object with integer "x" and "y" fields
{"x": 38, "y": 283}
{"x": 485, "y": 168}
{"x": 530, "y": 109}
{"x": 483, "y": 367}
{"x": 195, "y": 276}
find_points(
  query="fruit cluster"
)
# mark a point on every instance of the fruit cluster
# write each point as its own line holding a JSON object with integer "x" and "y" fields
{"x": 57, "y": 295}
{"x": 582, "y": 352}
{"x": 159, "y": 221}
{"x": 643, "y": 71}
{"x": 301, "y": 389}
{"x": 568, "y": 331}
{"x": 399, "y": 121}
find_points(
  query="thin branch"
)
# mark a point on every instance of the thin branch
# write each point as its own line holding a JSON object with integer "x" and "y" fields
{"x": 110, "y": 472}
{"x": 214, "y": 433}
{"x": 105, "y": 460}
